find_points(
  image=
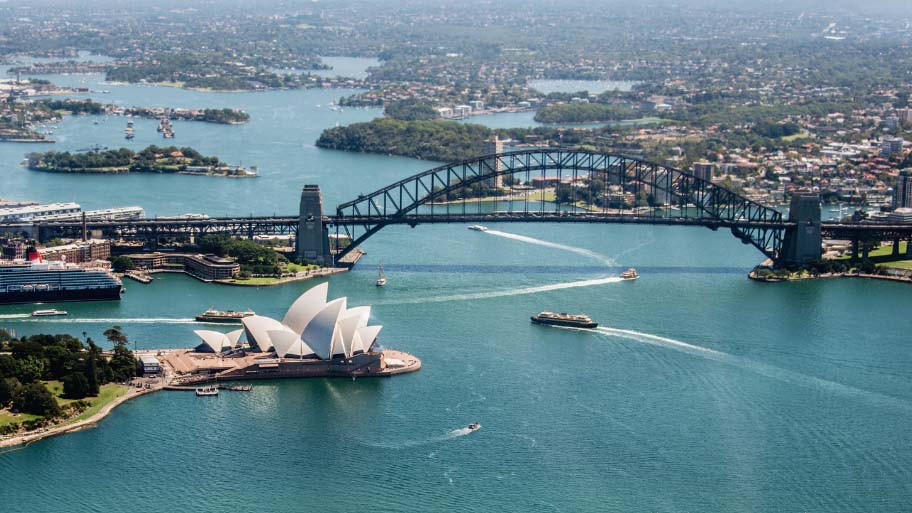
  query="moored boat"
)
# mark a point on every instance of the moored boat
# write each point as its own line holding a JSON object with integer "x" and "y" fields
{"x": 381, "y": 277}
{"x": 564, "y": 319}
{"x": 205, "y": 391}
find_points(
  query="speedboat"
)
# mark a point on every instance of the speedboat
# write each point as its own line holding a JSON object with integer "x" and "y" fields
{"x": 474, "y": 426}
{"x": 630, "y": 274}
{"x": 478, "y": 228}
{"x": 48, "y": 313}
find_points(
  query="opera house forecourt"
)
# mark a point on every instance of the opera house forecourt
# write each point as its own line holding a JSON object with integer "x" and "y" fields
{"x": 315, "y": 338}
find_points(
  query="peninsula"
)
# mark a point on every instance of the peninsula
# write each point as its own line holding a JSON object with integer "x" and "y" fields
{"x": 153, "y": 159}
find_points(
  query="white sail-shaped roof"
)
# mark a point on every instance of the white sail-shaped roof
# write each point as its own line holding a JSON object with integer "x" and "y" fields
{"x": 257, "y": 328}
{"x": 362, "y": 312}
{"x": 213, "y": 341}
{"x": 306, "y": 307}
{"x": 320, "y": 332}
{"x": 356, "y": 345}
{"x": 347, "y": 329}
{"x": 368, "y": 335}
{"x": 287, "y": 344}
{"x": 234, "y": 337}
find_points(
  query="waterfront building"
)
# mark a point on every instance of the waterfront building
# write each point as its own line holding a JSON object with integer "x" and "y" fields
{"x": 902, "y": 196}
{"x": 462, "y": 111}
{"x": 28, "y": 213}
{"x": 201, "y": 267}
{"x": 149, "y": 365}
{"x": 90, "y": 250}
{"x": 900, "y": 215}
{"x": 477, "y": 104}
{"x": 312, "y": 328}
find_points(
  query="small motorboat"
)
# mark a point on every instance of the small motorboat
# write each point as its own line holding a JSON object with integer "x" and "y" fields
{"x": 206, "y": 391}
{"x": 630, "y": 274}
{"x": 48, "y": 313}
{"x": 478, "y": 228}
{"x": 473, "y": 426}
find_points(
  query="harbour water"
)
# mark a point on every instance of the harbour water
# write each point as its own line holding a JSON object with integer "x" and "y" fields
{"x": 700, "y": 391}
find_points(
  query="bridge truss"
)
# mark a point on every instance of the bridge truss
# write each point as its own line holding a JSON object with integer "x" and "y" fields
{"x": 560, "y": 185}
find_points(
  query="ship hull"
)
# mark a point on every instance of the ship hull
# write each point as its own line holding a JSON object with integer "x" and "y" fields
{"x": 220, "y": 320}
{"x": 568, "y": 324}
{"x": 58, "y": 296}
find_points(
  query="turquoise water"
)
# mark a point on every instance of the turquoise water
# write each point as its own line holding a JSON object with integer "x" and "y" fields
{"x": 702, "y": 390}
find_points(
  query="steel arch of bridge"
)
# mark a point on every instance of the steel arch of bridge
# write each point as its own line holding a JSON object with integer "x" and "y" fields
{"x": 433, "y": 196}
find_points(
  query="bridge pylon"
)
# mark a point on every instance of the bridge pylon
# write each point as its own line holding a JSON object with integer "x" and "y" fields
{"x": 313, "y": 236}
{"x": 802, "y": 243}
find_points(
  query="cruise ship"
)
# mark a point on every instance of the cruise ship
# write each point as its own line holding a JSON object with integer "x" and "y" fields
{"x": 36, "y": 281}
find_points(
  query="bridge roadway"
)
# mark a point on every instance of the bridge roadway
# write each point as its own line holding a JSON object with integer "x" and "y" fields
{"x": 250, "y": 226}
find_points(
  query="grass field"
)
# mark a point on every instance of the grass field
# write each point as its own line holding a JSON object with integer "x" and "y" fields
{"x": 108, "y": 393}
{"x": 881, "y": 252}
{"x": 794, "y": 137}
{"x": 902, "y": 264}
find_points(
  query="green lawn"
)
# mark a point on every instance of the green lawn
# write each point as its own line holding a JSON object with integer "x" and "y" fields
{"x": 107, "y": 394}
{"x": 902, "y": 264}
{"x": 880, "y": 252}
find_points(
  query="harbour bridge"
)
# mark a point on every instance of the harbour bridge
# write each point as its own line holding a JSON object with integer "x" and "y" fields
{"x": 537, "y": 185}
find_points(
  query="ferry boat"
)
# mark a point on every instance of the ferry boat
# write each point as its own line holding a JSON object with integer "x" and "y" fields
{"x": 630, "y": 274}
{"x": 48, "y": 313}
{"x": 229, "y": 316}
{"x": 381, "y": 277}
{"x": 478, "y": 228}
{"x": 563, "y": 319}
{"x": 206, "y": 391}
{"x": 36, "y": 281}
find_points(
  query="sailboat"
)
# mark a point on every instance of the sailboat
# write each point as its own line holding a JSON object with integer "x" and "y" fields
{"x": 381, "y": 278}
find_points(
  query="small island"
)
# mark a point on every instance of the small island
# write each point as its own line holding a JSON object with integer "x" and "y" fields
{"x": 153, "y": 159}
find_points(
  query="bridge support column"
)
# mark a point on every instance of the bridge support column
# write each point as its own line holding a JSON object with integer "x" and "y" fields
{"x": 802, "y": 244}
{"x": 313, "y": 237}
{"x": 865, "y": 249}
{"x": 909, "y": 248}
{"x": 896, "y": 247}
{"x": 855, "y": 243}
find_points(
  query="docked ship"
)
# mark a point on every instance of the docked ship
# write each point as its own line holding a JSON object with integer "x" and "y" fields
{"x": 36, "y": 281}
{"x": 563, "y": 319}
{"x": 226, "y": 317}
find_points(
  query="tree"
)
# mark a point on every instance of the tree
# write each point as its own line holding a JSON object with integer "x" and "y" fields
{"x": 29, "y": 369}
{"x": 7, "y": 366}
{"x": 36, "y": 399}
{"x": 75, "y": 385}
{"x": 91, "y": 369}
{"x": 8, "y": 388}
{"x": 123, "y": 363}
{"x": 115, "y": 335}
{"x": 122, "y": 264}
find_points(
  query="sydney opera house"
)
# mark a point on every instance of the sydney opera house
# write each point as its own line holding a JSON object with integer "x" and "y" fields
{"x": 315, "y": 338}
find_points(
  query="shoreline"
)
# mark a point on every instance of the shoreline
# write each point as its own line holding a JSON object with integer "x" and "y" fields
{"x": 828, "y": 276}
{"x": 28, "y": 438}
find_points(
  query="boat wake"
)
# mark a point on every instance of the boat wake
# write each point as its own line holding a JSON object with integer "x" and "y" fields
{"x": 450, "y": 435}
{"x": 763, "y": 369}
{"x": 573, "y": 249}
{"x": 509, "y": 292}
{"x": 96, "y": 320}
{"x": 14, "y": 316}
